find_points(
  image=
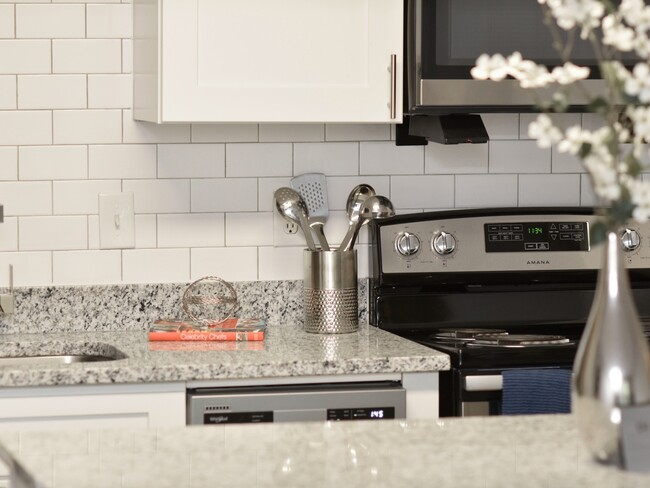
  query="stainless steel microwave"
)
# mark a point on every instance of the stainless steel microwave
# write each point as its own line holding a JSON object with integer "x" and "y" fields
{"x": 443, "y": 39}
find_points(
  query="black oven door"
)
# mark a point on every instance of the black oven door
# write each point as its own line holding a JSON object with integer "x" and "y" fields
{"x": 466, "y": 393}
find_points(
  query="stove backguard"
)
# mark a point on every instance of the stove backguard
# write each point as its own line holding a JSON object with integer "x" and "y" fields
{"x": 443, "y": 269}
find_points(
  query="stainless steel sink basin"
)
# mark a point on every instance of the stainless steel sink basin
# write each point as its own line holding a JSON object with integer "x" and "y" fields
{"x": 54, "y": 359}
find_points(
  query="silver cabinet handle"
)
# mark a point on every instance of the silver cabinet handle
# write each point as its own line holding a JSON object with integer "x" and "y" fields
{"x": 393, "y": 86}
{"x": 492, "y": 382}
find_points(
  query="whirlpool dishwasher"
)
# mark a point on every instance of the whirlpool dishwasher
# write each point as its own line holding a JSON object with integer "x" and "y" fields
{"x": 297, "y": 403}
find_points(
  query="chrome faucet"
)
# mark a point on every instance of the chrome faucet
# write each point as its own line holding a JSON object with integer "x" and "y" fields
{"x": 7, "y": 299}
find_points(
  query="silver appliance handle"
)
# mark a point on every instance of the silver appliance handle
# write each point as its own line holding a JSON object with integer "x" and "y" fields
{"x": 393, "y": 86}
{"x": 489, "y": 382}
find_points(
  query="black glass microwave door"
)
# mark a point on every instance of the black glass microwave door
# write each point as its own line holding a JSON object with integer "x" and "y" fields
{"x": 456, "y": 32}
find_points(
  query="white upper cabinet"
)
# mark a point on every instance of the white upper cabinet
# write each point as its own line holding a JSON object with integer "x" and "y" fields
{"x": 268, "y": 60}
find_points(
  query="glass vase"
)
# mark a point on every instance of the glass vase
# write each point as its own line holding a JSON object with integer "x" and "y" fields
{"x": 612, "y": 366}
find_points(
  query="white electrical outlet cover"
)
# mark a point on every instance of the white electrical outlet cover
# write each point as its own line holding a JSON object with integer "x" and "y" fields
{"x": 116, "y": 221}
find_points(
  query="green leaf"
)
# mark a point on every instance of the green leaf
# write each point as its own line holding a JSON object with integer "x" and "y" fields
{"x": 584, "y": 151}
{"x": 598, "y": 105}
{"x": 597, "y": 233}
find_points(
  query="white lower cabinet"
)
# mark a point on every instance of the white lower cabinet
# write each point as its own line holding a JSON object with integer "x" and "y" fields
{"x": 268, "y": 61}
{"x": 94, "y": 407}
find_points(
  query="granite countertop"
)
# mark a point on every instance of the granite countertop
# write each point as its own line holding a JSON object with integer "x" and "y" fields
{"x": 286, "y": 351}
{"x": 486, "y": 452}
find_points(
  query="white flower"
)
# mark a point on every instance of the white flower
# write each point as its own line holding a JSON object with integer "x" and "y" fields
{"x": 544, "y": 131}
{"x": 569, "y": 73}
{"x": 490, "y": 67}
{"x": 638, "y": 84}
{"x": 572, "y": 13}
{"x": 617, "y": 35}
{"x": 640, "y": 195}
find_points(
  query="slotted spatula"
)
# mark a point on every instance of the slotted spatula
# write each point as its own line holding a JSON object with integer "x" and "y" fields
{"x": 313, "y": 189}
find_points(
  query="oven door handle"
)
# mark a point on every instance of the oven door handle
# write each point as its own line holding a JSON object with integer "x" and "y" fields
{"x": 484, "y": 382}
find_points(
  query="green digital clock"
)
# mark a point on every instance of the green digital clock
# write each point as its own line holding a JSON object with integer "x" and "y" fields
{"x": 535, "y": 230}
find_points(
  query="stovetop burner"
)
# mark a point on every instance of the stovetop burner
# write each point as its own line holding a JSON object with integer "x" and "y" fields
{"x": 518, "y": 340}
{"x": 466, "y": 334}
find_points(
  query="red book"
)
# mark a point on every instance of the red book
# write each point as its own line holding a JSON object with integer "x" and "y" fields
{"x": 231, "y": 330}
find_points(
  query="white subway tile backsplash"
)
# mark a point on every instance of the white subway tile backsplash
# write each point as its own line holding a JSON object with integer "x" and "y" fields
{"x": 224, "y": 195}
{"x": 25, "y": 127}
{"x": 93, "y": 232}
{"x": 549, "y": 190}
{"x": 249, "y": 229}
{"x": 146, "y": 231}
{"x": 7, "y": 92}
{"x": 87, "y": 267}
{"x": 7, "y": 28}
{"x": 280, "y": 263}
{"x": 386, "y": 158}
{"x": 329, "y": 158}
{"x": 266, "y": 188}
{"x": 486, "y": 191}
{"x": 159, "y": 196}
{"x": 122, "y": 161}
{"x": 146, "y": 133}
{"x": 53, "y": 233}
{"x": 86, "y": 56}
{"x": 456, "y": 159}
{"x": 9, "y": 234}
{"x": 30, "y": 268}
{"x": 229, "y": 263}
{"x": 422, "y": 191}
{"x": 191, "y": 230}
{"x": 109, "y": 21}
{"x": 225, "y": 133}
{"x": 50, "y": 21}
{"x": 81, "y": 197}
{"x": 8, "y": 163}
{"x": 53, "y": 162}
{"x": 592, "y": 122}
{"x": 519, "y": 157}
{"x": 562, "y": 162}
{"x": 26, "y": 198}
{"x": 23, "y": 56}
{"x": 110, "y": 91}
{"x": 191, "y": 161}
{"x": 261, "y": 159}
{"x": 587, "y": 196}
{"x": 357, "y": 132}
{"x": 292, "y": 132}
{"x": 87, "y": 126}
{"x": 127, "y": 56}
{"x": 501, "y": 126}
{"x": 51, "y": 91}
{"x": 156, "y": 265}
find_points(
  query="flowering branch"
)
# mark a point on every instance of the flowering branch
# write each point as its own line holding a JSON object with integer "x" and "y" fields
{"x": 611, "y": 154}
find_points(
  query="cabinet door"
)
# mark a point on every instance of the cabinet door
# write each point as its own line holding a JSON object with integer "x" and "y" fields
{"x": 281, "y": 60}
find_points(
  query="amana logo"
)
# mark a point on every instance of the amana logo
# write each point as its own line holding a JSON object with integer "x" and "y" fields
{"x": 538, "y": 261}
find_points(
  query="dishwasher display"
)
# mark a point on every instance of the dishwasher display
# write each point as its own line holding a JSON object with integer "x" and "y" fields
{"x": 296, "y": 403}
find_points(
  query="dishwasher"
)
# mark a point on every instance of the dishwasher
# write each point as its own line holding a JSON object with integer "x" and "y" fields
{"x": 297, "y": 403}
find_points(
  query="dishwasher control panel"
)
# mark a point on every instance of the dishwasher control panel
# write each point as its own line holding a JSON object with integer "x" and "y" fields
{"x": 297, "y": 403}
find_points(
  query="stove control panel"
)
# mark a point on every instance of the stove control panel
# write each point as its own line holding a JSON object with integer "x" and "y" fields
{"x": 423, "y": 243}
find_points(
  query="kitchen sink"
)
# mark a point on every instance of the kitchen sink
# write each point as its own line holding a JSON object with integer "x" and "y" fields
{"x": 54, "y": 359}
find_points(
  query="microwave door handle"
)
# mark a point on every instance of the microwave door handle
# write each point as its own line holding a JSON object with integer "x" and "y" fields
{"x": 489, "y": 382}
{"x": 393, "y": 85}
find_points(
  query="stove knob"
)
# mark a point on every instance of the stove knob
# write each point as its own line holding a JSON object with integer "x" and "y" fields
{"x": 443, "y": 243}
{"x": 630, "y": 239}
{"x": 407, "y": 244}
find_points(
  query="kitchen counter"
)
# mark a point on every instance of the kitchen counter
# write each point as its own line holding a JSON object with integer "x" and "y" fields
{"x": 286, "y": 351}
{"x": 526, "y": 451}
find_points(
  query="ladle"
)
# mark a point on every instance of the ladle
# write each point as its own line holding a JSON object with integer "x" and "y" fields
{"x": 374, "y": 207}
{"x": 357, "y": 196}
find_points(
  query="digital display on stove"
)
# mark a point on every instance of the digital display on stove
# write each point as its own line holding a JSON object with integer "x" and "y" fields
{"x": 536, "y": 236}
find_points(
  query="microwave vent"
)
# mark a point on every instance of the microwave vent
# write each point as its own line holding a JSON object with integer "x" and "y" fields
{"x": 449, "y": 129}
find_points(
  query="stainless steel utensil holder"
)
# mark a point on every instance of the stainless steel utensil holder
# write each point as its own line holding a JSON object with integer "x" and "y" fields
{"x": 330, "y": 289}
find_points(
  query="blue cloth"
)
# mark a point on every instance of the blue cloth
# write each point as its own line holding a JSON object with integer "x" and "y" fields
{"x": 532, "y": 391}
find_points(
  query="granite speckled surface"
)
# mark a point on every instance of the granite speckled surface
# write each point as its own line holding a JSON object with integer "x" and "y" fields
{"x": 133, "y": 307}
{"x": 482, "y": 452}
{"x": 286, "y": 351}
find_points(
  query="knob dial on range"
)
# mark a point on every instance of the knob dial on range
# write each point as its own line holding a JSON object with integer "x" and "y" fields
{"x": 443, "y": 243}
{"x": 407, "y": 244}
{"x": 630, "y": 239}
